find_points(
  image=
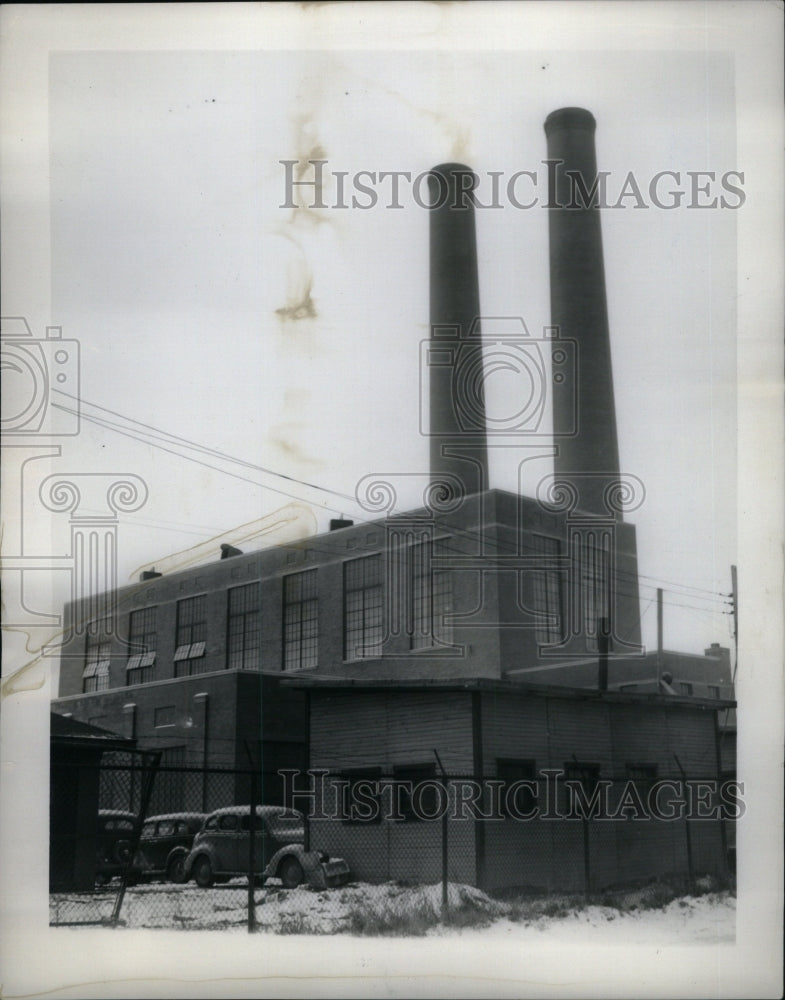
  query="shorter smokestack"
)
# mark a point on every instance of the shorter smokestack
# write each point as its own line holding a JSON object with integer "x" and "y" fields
{"x": 453, "y": 357}
{"x": 336, "y": 523}
{"x": 227, "y": 551}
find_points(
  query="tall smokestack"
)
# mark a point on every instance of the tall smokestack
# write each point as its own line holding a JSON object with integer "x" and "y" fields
{"x": 590, "y": 457}
{"x": 454, "y": 352}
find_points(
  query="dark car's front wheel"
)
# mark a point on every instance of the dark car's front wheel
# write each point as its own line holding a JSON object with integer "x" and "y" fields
{"x": 203, "y": 872}
{"x": 291, "y": 873}
{"x": 175, "y": 870}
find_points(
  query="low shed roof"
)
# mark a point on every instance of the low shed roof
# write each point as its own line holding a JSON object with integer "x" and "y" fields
{"x": 315, "y": 682}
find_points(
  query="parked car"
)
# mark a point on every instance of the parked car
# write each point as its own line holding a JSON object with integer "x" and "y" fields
{"x": 221, "y": 849}
{"x": 164, "y": 845}
{"x": 114, "y": 839}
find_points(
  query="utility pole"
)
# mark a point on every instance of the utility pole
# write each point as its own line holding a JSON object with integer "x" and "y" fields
{"x": 735, "y": 598}
{"x": 659, "y": 635}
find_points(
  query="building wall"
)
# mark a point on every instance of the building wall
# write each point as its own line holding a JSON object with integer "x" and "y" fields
{"x": 519, "y": 519}
{"x": 384, "y": 729}
{"x": 480, "y": 545}
{"x": 228, "y": 719}
{"x": 381, "y": 728}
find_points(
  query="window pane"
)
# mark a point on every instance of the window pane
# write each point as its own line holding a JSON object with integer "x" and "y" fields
{"x": 142, "y": 637}
{"x": 301, "y": 620}
{"x": 547, "y": 590}
{"x": 363, "y": 608}
{"x": 243, "y": 647}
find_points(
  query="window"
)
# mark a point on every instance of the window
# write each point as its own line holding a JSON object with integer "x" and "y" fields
{"x": 431, "y": 594}
{"x": 98, "y": 655}
{"x": 418, "y": 796}
{"x": 229, "y": 822}
{"x": 580, "y": 795}
{"x": 363, "y": 608}
{"x": 714, "y": 691}
{"x": 587, "y": 774}
{"x": 140, "y": 667}
{"x": 643, "y": 777}
{"x": 547, "y": 590}
{"x": 189, "y": 655}
{"x": 300, "y": 621}
{"x": 244, "y": 638}
{"x": 514, "y": 799}
{"x": 361, "y": 797}
{"x": 164, "y": 716}
{"x": 685, "y": 687}
{"x": 595, "y": 586}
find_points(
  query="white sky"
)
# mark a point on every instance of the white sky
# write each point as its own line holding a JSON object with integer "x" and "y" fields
{"x": 171, "y": 255}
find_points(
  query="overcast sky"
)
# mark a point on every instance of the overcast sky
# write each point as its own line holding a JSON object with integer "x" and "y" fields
{"x": 290, "y": 339}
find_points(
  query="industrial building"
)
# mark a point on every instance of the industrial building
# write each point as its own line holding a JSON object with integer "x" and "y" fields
{"x": 489, "y": 626}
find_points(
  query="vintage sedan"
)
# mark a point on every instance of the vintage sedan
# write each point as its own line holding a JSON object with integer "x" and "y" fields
{"x": 164, "y": 845}
{"x": 222, "y": 847}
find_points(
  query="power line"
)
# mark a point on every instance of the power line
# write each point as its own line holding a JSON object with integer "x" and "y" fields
{"x": 158, "y": 436}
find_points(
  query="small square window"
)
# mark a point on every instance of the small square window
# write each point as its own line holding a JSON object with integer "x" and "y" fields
{"x": 518, "y": 795}
{"x": 164, "y": 715}
{"x": 418, "y": 794}
{"x": 361, "y": 797}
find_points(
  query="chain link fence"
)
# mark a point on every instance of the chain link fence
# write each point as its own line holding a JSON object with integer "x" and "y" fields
{"x": 138, "y": 844}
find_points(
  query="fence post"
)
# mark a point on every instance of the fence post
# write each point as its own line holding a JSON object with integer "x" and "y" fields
{"x": 687, "y": 830}
{"x": 252, "y": 856}
{"x": 586, "y": 855}
{"x": 445, "y": 852}
{"x": 445, "y": 849}
{"x": 148, "y": 777}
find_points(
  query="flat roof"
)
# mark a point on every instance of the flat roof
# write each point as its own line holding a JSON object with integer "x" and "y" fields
{"x": 492, "y": 685}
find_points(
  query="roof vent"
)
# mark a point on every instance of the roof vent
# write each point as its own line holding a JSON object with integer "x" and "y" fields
{"x": 340, "y": 522}
{"x": 227, "y": 551}
{"x": 149, "y": 574}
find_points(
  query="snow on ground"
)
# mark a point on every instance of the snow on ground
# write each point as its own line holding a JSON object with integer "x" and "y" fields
{"x": 634, "y": 918}
{"x": 709, "y": 919}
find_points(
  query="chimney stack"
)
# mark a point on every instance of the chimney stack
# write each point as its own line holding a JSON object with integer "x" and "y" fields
{"x": 454, "y": 354}
{"x": 590, "y": 457}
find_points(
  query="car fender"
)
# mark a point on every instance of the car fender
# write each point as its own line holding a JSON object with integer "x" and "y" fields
{"x": 196, "y": 852}
{"x": 310, "y": 860}
{"x": 177, "y": 852}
